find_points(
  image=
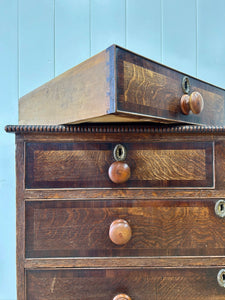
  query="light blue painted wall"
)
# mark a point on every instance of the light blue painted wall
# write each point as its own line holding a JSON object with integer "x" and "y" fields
{"x": 40, "y": 39}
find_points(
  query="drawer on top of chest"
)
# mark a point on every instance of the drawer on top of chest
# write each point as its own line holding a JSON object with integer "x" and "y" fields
{"x": 125, "y": 228}
{"x": 180, "y": 164}
{"x": 124, "y": 284}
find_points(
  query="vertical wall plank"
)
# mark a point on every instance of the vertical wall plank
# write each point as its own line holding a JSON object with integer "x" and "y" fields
{"x": 107, "y": 24}
{"x": 8, "y": 114}
{"x": 144, "y": 28}
{"x": 36, "y": 43}
{"x": 72, "y": 38}
{"x": 179, "y": 35}
{"x": 211, "y": 41}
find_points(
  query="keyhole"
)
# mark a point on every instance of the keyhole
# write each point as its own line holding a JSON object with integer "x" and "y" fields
{"x": 223, "y": 277}
{"x": 120, "y": 152}
{"x": 222, "y": 209}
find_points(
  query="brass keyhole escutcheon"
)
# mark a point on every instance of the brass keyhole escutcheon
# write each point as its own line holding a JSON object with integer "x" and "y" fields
{"x": 221, "y": 278}
{"x": 220, "y": 208}
{"x": 186, "y": 85}
{"x": 120, "y": 152}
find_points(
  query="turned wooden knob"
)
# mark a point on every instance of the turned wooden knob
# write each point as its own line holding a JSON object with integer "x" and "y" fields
{"x": 122, "y": 297}
{"x": 194, "y": 103}
{"x": 120, "y": 232}
{"x": 119, "y": 172}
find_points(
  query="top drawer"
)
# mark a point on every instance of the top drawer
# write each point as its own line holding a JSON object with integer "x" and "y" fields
{"x": 117, "y": 85}
{"x": 152, "y": 165}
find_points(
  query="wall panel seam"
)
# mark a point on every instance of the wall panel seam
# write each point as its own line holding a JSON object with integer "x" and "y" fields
{"x": 18, "y": 55}
{"x": 196, "y": 67}
{"x": 162, "y": 24}
{"x": 90, "y": 37}
{"x": 54, "y": 37}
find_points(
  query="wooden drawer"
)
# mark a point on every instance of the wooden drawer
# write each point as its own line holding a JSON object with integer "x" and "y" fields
{"x": 119, "y": 86}
{"x": 138, "y": 284}
{"x": 153, "y": 165}
{"x": 159, "y": 228}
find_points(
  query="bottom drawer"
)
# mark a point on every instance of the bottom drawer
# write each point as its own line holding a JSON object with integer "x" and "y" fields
{"x": 138, "y": 284}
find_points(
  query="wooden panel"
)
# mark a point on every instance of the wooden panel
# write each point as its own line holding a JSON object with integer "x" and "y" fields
{"x": 85, "y": 165}
{"x": 143, "y": 30}
{"x": 159, "y": 228}
{"x": 179, "y": 35}
{"x": 160, "y": 284}
{"x": 220, "y": 164}
{"x": 149, "y": 89}
{"x": 76, "y": 95}
{"x": 107, "y": 24}
{"x": 20, "y": 219}
{"x": 72, "y": 36}
{"x": 36, "y": 44}
{"x": 211, "y": 42}
{"x": 126, "y": 262}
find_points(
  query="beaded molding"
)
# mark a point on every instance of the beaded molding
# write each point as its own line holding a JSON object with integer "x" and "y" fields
{"x": 138, "y": 128}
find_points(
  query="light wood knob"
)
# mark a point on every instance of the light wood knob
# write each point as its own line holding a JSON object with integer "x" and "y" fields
{"x": 119, "y": 172}
{"x": 122, "y": 297}
{"x": 194, "y": 103}
{"x": 120, "y": 232}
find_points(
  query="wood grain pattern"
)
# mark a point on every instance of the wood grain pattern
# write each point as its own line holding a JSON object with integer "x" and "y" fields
{"x": 117, "y": 84}
{"x": 20, "y": 221}
{"x": 160, "y": 284}
{"x": 150, "y": 89}
{"x": 85, "y": 165}
{"x": 126, "y": 262}
{"x": 176, "y": 235}
{"x": 78, "y": 94}
{"x": 81, "y": 228}
{"x": 146, "y": 87}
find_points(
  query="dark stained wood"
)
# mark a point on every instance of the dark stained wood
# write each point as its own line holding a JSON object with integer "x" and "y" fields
{"x": 177, "y": 245}
{"x": 119, "y": 172}
{"x": 113, "y": 128}
{"x": 20, "y": 220}
{"x": 165, "y": 228}
{"x": 108, "y": 194}
{"x": 92, "y": 284}
{"x": 119, "y": 86}
{"x": 126, "y": 262}
{"x": 85, "y": 165}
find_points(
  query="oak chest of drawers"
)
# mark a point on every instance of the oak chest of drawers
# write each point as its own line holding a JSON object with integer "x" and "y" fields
{"x": 159, "y": 234}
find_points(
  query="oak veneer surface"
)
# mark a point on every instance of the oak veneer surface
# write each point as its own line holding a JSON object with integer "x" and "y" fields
{"x": 152, "y": 164}
{"x": 177, "y": 245}
{"x": 166, "y": 228}
{"x": 139, "y": 284}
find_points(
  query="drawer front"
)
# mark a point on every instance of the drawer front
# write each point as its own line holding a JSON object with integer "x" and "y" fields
{"x": 145, "y": 284}
{"x": 146, "y": 88}
{"x": 158, "y": 228}
{"x": 152, "y": 165}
